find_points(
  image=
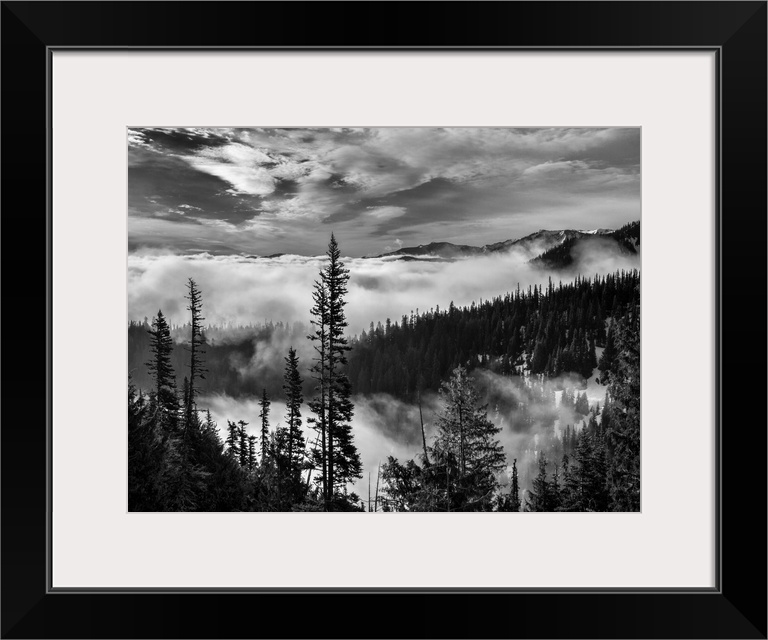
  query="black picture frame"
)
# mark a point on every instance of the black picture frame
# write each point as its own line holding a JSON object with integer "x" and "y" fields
{"x": 736, "y": 608}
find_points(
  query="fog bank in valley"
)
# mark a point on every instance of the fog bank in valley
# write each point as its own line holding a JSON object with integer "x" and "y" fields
{"x": 385, "y": 426}
{"x": 245, "y": 290}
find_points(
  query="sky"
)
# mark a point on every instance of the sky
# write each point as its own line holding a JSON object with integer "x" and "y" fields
{"x": 252, "y": 191}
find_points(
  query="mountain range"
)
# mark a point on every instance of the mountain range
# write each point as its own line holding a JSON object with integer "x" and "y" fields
{"x": 537, "y": 246}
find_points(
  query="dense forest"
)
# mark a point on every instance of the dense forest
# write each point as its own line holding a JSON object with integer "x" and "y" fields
{"x": 543, "y": 330}
{"x": 520, "y": 365}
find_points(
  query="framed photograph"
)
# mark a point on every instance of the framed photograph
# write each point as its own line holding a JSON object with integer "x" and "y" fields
{"x": 471, "y": 281}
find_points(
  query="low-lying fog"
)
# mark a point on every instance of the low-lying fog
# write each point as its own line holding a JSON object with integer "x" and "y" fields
{"x": 385, "y": 426}
{"x": 242, "y": 290}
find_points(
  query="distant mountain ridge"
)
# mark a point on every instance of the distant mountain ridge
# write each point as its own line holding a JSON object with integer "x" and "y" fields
{"x": 534, "y": 244}
{"x": 560, "y": 256}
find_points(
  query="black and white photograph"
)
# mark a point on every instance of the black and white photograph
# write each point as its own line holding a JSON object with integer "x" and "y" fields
{"x": 384, "y": 319}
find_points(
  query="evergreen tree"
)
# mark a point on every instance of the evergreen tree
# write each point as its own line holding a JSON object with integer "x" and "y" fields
{"x": 209, "y": 425}
{"x": 243, "y": 443}
{"x": 293, "y": 401}
{"x": 404, "y": 487}
{"x": 233, "y": 440}
{"x": 542, "y": 493}
{"x": 319, "y": 369}
{"x": 567, "y": 484}
{"x": 599, "y": 489}
{"x": 161, "y": 346}
{"x": 511, "y": 501}
{"x": 465, "y": 450}
{"x": 185, "y": 395}
{"x": 251, "y": 452}
{"x": 586, "y": 487}
{"x": 609, "y": 353}
{"x": 339, "y": 455}
{"x": 582, "y": 404}
{"x": 294, "y": 397}
{"x": 555, "y": 491}
{"x": 197, "y": 368}
{"x": 592, "y": 362}
{"x": 515, "y": 491}
{"x": 539, "y": 362}
{"x": 264, "y": 405}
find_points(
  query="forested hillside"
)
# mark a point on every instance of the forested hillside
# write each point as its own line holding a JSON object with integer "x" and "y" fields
{"x": 542, "y": 330}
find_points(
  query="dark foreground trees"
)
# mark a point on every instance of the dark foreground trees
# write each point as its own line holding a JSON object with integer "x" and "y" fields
{"x": 178, "y": 462}
{"x": 460, "y": 469}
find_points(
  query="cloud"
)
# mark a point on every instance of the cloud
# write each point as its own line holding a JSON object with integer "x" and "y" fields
{"x": 396, "y": 181}
{"x": 383, "y": 214}
{"x": 137, "y": 138}
{"x": 398, "y": 244}
{"x": 251, "y": 180}
{"x": 237, "y": 164}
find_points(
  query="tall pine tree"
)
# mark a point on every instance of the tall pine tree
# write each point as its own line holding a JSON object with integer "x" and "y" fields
{"x": 243, "y": 443}
{"x": 251, "y": 452}
{"x": 334, "y": 408}
{"x": 159, "y": 366}
{"x": 540, "y": 498}
{"x": 319, "y": 369}
{"x": 197, "y": 368}
{"x": 514, "y": 494}
{"x": 233, "y": 440}
{"x": 465, "y": 448}
{"x": 264, "y": 405}
{"x": 293, "y": 400}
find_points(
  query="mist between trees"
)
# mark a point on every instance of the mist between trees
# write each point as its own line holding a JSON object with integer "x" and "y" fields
{"x": 528, "y": 401}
